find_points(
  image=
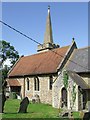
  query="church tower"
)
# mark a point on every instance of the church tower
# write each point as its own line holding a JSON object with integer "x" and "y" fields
{"x": 48, "y": 37}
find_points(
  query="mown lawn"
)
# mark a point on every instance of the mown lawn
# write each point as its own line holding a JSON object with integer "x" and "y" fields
{"x": 33, "y": 111}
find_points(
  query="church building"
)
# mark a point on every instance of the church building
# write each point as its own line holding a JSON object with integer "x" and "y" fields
{"x": 50, "y": 75}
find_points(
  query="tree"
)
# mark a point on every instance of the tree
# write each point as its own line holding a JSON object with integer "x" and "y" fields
{"x": 7, "y": 52}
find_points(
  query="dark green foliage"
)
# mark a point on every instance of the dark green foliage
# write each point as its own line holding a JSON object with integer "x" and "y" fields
{"x": 8, "y": 51}
{"x": 65, "y": 79}
{"x": 4, "y": 72}
{"x": 13, "y": 95}
{"x": 74, "y": 94}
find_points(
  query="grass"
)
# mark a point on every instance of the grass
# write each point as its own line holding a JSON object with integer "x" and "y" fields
{"x": 33, "y": 111}
{"x": 76, "y": 114}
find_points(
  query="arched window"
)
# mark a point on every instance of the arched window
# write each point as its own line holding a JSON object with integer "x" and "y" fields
{"x": 50, "y": 82}
{"x": 36, "y": 84}
{"x": 64, "y": 97}
{"x": 28, "y": 84}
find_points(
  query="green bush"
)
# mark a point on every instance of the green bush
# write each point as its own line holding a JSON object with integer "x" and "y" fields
{"x": 13, "y": 95}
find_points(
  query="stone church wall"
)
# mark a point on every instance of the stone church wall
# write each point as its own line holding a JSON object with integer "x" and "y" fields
{"x": 21, "y": 80}
{"x": 56, "y": 91}
{"x": 29, "y": 93}
{"x": 57, "y": 87}
{"x": 44, "y": 92}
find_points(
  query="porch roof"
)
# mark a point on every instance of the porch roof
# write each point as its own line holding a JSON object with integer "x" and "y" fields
{"x": 13, "y": 82}
{"x": 79, "y": 81}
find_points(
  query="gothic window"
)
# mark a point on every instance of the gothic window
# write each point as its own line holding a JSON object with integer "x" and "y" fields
{"x": 36, "y": 84}
{"x": 64, "y": 97}
{"x": 50, "y": 82}
{"x": 28, "y": 84}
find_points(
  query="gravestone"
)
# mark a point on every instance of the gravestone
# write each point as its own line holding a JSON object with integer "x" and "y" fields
{"x": 86, "y": 116}
{"x": 65, "y": 114}
{"x": 23, "y": 105}
{"x": 36, "y": 99}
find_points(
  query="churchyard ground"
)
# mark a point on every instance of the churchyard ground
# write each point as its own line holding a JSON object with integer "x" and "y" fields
{"x": 34, "y": 110}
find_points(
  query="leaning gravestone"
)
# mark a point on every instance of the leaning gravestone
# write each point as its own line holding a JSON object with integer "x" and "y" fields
{"x": 23, "y": 105}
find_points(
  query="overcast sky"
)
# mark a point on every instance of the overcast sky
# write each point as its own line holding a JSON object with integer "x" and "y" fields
{"x": 68, "y": 20}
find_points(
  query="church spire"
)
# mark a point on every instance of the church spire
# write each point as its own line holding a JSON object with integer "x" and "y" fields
{"x": 48, "y": 39}
{"x": 48, "y": 33}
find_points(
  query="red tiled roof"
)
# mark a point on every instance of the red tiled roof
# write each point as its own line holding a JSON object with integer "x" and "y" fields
{"x": 13, "y": 82}
{"x": 41, "y": 63}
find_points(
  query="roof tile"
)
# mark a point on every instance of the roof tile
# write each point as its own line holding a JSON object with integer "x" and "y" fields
{"x": 41, "y": 63}
{"x": 13, "y": 82}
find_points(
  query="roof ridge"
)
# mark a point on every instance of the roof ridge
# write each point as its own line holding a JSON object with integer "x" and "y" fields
{"x": 46, "y": 51}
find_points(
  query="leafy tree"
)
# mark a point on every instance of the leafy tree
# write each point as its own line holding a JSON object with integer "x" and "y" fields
{"x": 7, "y": 52}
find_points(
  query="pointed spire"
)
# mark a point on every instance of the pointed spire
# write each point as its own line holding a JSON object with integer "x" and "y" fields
{"x": 48, "y": 33}
{"x": 48, "y": 39}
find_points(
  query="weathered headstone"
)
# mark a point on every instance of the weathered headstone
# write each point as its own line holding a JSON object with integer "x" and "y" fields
{"x": 36, "y": 99}
{"x": 86, "y": 116}
{"x": 23, "y": 105}
{"x": 65, "y": 114}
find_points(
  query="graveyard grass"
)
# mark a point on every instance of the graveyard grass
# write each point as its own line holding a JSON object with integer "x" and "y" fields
{"x": 34, "y": 110}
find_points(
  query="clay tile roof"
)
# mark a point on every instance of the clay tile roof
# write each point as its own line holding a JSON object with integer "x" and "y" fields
{"x": 13, "y": 82}
{"x": 41, "y": 63}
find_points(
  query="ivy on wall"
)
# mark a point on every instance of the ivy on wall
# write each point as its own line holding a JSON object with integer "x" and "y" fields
{"x": 65, "y": 79}
{"x": 74, "y": 94}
